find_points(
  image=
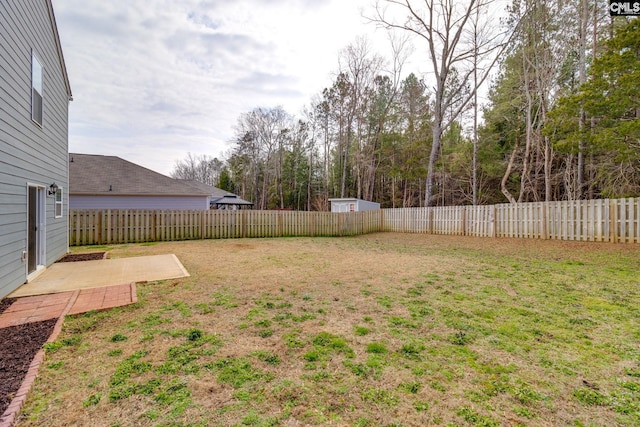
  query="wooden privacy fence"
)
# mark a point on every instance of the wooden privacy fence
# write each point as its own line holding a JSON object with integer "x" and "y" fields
{"x": 97, "y": 227}
{"x": 586, "y": 220}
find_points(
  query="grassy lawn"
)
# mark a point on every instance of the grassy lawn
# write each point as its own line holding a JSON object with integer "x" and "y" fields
{"x": 378, "y": 330}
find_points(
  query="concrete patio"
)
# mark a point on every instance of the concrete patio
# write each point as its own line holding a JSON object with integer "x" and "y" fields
{"x": 79, "y": 287}
{"x": 69, "y": 276}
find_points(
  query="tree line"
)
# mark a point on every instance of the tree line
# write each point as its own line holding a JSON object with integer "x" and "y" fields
{"x": 561, "y": 119}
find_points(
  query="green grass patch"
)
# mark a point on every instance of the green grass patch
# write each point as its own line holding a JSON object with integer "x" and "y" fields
{"x": 376, "y": 348}
{"x": 92, "y": 400}
{"x": 326, "y": 343}
{"x": 380, "y": 396}
{"x": 238, "y": 371}
{"x": 361, "y": 330}
{"x": 118, "y": 338}
{"x": 472, "y": 417}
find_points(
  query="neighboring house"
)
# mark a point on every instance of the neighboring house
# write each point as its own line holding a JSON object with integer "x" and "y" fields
{"x": 109, "y": 182}
{"x": 34, "y": 122}
{"x": 221, "y": 199}
{"x": 352, "y": 205}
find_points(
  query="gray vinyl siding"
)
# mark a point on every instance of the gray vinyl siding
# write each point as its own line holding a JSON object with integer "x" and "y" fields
{"x": 140, "y": 202}
{"x": 29, "y": 154}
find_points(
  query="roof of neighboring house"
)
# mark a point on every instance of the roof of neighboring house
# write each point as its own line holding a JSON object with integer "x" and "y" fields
{"x": 231, "y": 200}
{"x": 214, "y": 192}
{"x": 59, "y": 49}
{"x": 110, "y": 175}
{"x": 219, "y": 196}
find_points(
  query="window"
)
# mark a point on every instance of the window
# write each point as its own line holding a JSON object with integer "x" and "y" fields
{"x": 58, "y": 203}
{"x": 352, "y": 207}
{"x": 36, "y": 89}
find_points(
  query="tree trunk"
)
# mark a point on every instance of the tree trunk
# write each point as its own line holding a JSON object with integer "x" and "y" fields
{"x": 582, "y": 76}
{"x": 547, "y": 170}
{"x": 528, "y": 133}
{"x": 433, "y": 157}
{"x": 503, "y": 183}
{"x": 475, "y": 147}
{"x": 343, "y": 184}
{"x": 280, "y": 176}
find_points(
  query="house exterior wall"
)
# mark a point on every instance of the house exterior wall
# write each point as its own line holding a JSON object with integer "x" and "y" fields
{"x": 352, "y": 205}
{"x": 30, "y": 154}
{"x": 139, "y": 202}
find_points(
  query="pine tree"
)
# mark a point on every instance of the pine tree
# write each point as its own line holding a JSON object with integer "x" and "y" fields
{"x": 609, "y": 96}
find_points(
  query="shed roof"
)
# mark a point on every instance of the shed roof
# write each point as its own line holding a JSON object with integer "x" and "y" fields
{"x": 348, "y": 199}
{"x": 110, "y": 175}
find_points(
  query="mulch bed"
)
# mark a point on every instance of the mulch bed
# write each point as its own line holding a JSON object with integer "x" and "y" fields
{"x": 5, "y": 303}
{"x": 19, "y": 346}
{"x": 90, "y": 256}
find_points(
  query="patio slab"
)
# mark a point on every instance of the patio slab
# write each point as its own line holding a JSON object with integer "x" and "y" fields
{"x": 69, "y": 276}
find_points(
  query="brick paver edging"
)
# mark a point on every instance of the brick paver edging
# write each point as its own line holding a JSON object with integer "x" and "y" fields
{"x": 10, "y": 414}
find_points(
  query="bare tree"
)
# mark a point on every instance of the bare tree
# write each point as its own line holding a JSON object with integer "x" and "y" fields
{"x": 198, "y": 168}
{"x": 262, "y": 137}
{"x": 442, "y": 24}
{"x": 360, "y": 67}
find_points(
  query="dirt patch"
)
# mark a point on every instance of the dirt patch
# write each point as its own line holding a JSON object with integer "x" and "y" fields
{"x": 19, "y": 346}
{"x": 91, "y": 256}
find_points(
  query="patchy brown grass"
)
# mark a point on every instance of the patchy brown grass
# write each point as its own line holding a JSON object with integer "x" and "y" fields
{"x": 384, "y": 329}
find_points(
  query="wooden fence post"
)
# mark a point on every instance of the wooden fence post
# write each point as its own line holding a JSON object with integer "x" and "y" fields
{"x": 98, "y": 232}
{"x": 464, "y": 220}
{"x": 494, "y": 212}
{"x": 613, "y": 221}
{"x": 201, "y": 214}
{"x": 545, "y": 216}
{"x": 430, "y": 226}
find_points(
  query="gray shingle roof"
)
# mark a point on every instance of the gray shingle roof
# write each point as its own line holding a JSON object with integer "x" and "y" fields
{"x": 209, "y": 189}
{"x": 219, "y": 196}
{"x": 111, "y": 175}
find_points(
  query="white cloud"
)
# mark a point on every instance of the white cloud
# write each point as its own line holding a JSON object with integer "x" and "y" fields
{"x": 154, "y": 80}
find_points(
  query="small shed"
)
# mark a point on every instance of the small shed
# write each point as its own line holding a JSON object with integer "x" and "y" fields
{"x": 352, "y": 205}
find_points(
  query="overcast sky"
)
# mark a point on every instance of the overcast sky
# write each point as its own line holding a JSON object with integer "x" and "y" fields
{"x": 155, "y": 80}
